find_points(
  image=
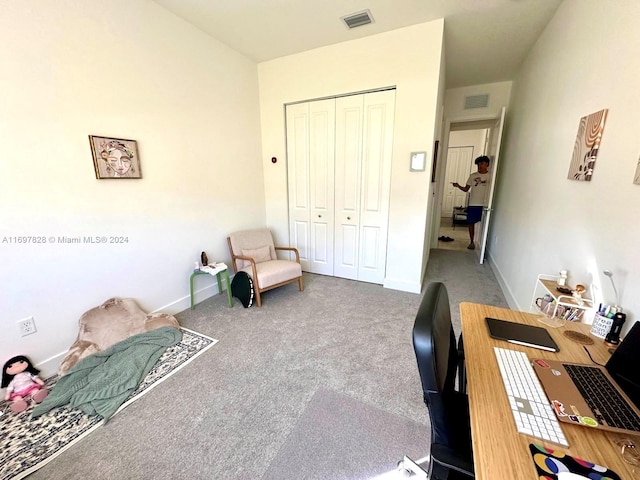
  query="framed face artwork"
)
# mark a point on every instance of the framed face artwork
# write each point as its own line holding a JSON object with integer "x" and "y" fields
{"x": 115, "y": 157}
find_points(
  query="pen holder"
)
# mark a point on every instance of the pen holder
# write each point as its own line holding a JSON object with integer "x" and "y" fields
{"x": 601, "y": 326}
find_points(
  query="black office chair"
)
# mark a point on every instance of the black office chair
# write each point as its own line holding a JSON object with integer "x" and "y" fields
{"x": 438, "y": 360}
{"x": 462, "y": 372}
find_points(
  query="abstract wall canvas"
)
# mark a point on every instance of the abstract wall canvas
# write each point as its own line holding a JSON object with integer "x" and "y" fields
{"x": 587, "y": 145}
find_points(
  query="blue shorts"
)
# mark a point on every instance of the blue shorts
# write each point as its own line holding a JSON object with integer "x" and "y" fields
{"x": 474, "y": 214}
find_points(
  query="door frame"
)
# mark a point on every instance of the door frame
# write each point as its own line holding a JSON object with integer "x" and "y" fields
{"x": 486, "y": 218}
{"x": 471, "y": 122}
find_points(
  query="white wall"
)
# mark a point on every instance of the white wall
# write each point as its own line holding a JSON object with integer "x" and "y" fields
{"x": 433, "y": 215}
{"x": 127, "y": 69}
{"x": 408, "y": 58}
{"x": 586, "y": 59}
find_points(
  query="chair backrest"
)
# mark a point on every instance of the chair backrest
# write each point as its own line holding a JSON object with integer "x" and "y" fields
{"x": 435, "y": 348}
{"x": 252, "y": 243}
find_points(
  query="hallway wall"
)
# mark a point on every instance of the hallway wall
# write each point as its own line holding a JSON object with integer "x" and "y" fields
{"x": 543, "y": 221}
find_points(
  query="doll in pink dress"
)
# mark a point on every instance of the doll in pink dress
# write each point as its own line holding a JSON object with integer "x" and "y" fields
{"x": 21, "y": 380}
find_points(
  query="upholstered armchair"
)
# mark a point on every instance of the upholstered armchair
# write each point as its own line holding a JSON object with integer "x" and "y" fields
{"x": 253, "y": 252}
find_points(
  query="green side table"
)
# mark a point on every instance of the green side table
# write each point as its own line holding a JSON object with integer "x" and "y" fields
{"x": 219, "y": 275}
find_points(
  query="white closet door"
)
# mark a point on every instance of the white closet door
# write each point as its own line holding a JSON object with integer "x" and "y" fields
{"x": 339, "y": 173}
{"x": 321, "y": 166}
{"x": 298, "y": 175}
{"x": 376, "y": 184}
{"x": 458, "y": 160}
{"x": 348, "y": 161}
{"x": 364, "y": 138}
{"x": 310, "y": 153}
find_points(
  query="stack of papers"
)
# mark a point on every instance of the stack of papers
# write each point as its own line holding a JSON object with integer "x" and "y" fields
{"x": 214, "y": 268}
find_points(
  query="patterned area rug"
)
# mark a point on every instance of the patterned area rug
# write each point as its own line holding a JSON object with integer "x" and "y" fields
{"x": 27, "y": 444}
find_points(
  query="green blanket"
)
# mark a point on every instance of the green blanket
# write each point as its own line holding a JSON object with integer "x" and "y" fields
{"x": 100, "y": 383}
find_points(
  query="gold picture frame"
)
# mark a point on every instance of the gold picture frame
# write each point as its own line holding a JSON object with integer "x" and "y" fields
{"x": 115, "y": 158}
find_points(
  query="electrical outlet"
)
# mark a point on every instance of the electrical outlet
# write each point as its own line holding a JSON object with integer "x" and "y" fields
{"x": 27, "y": 326}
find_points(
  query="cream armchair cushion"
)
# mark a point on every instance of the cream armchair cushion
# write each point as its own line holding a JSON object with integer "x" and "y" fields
{"x": 261, "y": 254}
{"x": 254, "y": 252}
{"x": 275, "y": 272}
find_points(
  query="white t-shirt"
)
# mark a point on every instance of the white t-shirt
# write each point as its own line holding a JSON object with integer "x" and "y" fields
{"x": 479, "y": 183}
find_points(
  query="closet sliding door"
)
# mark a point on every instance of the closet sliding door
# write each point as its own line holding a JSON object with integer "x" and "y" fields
{"x": 339, "y": 174}
{"x": 310, "y": 156}
{"x": 364, "y": 139}
{"x": 349, "y": 120}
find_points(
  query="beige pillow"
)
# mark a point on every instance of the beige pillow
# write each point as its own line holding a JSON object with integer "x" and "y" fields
{"x": 259, "y": 255}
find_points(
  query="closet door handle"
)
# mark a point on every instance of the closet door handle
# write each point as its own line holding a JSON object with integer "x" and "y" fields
{"x": 319, "y": 216}
{"x": 348, "y": 218}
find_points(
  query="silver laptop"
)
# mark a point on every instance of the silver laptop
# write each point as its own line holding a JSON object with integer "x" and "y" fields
{"x": 604, "y": 397}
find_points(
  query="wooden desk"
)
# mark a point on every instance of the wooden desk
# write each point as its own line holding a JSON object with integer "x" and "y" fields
{"x": 499, "y": 451}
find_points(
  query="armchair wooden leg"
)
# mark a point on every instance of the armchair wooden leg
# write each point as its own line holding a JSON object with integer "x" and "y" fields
{"x": 257, "y": 295}
{"x": 300, "y": 284}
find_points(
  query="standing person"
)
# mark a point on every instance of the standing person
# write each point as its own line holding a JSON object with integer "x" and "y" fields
{"x": 478, "y": 183}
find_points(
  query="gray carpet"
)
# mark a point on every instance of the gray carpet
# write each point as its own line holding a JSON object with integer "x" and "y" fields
{"x": 466, "y": 280}
{"x": 340, "y": 438}
{"x": 231, "y": 414}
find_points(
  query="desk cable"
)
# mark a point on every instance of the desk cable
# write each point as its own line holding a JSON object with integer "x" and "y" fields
{"x": 589, "y": 353}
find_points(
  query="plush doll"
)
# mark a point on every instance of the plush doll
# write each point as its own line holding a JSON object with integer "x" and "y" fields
{"x": 21, "y": 380}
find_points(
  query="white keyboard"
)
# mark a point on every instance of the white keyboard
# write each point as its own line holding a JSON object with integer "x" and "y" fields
{"x": 529, "y": 405}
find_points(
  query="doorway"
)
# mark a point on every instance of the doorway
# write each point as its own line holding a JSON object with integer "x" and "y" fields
{"x": 464, "y": 146}
{"x": 492, "y": 128}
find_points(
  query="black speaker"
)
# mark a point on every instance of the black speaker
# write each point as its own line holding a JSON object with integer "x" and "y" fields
{"x": 613, "y": 337}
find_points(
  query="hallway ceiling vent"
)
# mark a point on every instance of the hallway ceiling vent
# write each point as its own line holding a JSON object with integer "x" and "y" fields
{"x": 476, "y": 101}
{"x": 357, "y": 19}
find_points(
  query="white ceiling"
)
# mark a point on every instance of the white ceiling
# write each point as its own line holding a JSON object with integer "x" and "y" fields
{"x": 485, "y": 40}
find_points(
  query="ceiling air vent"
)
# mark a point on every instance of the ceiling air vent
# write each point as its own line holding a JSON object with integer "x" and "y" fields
{"x": 358, "y": 19}
{"x": 476, "y": 101}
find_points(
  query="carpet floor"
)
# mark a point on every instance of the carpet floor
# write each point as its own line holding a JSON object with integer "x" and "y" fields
{"x": 27, "y": 444}
{"x": 249, "y": 407}
{"x": 340, "y": 438}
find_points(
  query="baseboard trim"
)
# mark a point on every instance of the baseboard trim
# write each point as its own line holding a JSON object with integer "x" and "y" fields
{"x": 506, "y": 291}
{"x": 199, "y": 295}
{"x": 50, "y": 366}
{"x": 403, "y": 286}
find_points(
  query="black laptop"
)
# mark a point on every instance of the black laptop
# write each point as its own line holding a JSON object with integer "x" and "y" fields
{"x": 521, "y": 334}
